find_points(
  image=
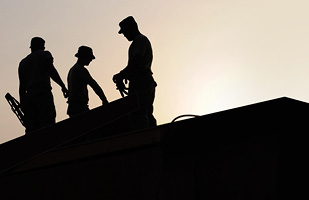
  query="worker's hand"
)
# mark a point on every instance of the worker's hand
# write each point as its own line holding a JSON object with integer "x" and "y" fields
{"x": 65, "y": 92}
{"x": 117, "y": 78}
{"x": 122, "y": 88}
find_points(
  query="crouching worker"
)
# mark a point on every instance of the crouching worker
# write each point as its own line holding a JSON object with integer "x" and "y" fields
{"x": 78, "y": 80}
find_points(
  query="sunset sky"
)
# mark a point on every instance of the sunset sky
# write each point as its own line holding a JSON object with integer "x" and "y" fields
{"x": 209, "y": 55}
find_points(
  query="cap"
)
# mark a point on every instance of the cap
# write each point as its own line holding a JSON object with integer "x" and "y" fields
{"x": 84, "y": 51}
{"x": 126, "y": 24}
{"x": 37, "y": 42}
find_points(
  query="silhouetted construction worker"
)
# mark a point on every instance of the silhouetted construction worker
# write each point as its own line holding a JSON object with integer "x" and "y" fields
{"x": 78, "y": 79}
{"x": 35, "y": 94}
{"x": 138, "y": 72}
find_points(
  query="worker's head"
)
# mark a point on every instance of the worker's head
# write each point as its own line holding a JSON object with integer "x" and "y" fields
{"x": 129, "y": 28}
{"x": 37, "y": 43}
{"x": 84, "y": 55}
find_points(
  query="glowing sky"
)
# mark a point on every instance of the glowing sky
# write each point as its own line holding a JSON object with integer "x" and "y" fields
{"x": 209, "y": 55}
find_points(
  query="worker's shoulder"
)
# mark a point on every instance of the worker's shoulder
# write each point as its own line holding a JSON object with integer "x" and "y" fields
{"x": 141, "y": 38}
{"x": 38, "y": 55}
{"x": 34, "y": 57}
{"x": 23, "y": 60}
{"x": 78, "y": 69}
{"x": 44, "y": 54}
{"x": 26, "y": 60}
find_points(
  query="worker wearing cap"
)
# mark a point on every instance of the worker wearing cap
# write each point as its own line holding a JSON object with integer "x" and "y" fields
{"x": 35, "y": 94}
{"x": 78, "y": 80}
{"x": 138, "y": 72}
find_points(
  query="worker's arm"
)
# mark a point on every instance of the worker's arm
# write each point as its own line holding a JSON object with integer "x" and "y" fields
{"x": 94, "y": 85}
{"x": 134, "y": 65}
{"x": 98, "y": 90}
{"x": 48, "y": 60}
{"x": 54, "y": 75}
{"x": 139, "y": 50}
{"x": 22, "y": 93}
{"x": 22, "y": 87}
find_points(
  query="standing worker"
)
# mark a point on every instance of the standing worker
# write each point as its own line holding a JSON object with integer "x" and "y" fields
{"x": 78, "y": 79}
{"x": 35, "y": 94}
{"x": 138, "y": 72}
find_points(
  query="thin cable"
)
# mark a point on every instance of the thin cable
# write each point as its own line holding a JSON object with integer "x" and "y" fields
{"x": 186, "y": 115}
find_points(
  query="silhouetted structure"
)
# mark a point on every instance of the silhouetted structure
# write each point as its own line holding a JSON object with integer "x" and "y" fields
{"x": 78, "y": 79}
{"x": 251, "y": 152}
{"x": 138, "y": 72}
{"x": 35, "y": 93}
{"x": 15, "y": 107}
